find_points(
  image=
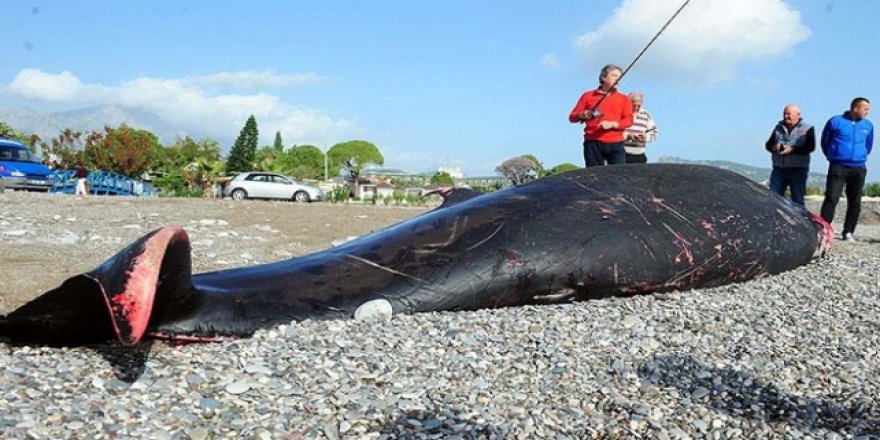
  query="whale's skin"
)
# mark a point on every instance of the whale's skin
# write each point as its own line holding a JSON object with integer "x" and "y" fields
{"x": 586, "y": 234}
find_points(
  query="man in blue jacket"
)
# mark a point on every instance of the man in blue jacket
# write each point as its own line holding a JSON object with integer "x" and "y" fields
{"x": 846, "y": 142}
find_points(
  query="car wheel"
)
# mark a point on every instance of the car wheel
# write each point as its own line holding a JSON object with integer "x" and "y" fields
{"x": 301, "y": 197}
{"x": 2, "y": 186}
{"x": 239, "y": 194}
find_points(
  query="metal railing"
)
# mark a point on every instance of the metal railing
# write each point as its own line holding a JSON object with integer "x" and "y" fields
{"x": 100, "y": 183}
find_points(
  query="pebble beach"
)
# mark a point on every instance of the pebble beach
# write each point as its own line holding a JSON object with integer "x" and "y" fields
{"x": 790, "y": 356}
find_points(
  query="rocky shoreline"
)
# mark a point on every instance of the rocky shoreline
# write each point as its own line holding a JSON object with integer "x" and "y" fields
{"x": 788, "y": 356}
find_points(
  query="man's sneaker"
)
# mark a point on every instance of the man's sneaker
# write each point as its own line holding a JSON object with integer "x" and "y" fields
{"x": 848, "y": 236}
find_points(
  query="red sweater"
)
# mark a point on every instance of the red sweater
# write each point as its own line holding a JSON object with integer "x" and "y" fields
{"x": 616, "y": 107}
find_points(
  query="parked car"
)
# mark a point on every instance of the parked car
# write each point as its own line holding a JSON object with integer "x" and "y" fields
{"x": 263, "y": 185}
{"x": 19, "y": 169}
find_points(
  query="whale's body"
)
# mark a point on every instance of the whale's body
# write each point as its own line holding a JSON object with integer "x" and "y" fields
{"x": 590, "y": 233}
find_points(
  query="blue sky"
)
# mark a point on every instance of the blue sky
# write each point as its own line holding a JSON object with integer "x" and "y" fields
{"x": 454, "y": 83}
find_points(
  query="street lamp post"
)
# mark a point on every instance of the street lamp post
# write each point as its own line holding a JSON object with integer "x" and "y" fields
{"x": 325, "y": 163}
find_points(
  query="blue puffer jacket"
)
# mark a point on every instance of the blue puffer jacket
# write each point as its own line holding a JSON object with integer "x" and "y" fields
{"x": 847, "y": 141}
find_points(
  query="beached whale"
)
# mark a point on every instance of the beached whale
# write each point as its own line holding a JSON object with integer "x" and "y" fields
{"x": 589, "y": 233}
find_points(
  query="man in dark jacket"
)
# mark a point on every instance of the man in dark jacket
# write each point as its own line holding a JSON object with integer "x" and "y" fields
{"x": 846, "y": 141}
{"x": 790, "y": 143}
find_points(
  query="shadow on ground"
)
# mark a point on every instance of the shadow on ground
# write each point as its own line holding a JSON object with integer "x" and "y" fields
{"x": 128, "y": 363}
{"x": 740, "y": 394}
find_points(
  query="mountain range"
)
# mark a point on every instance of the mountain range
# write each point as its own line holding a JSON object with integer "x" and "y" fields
{"x": 758, "y": 174}
{"x": 49, "y": 124}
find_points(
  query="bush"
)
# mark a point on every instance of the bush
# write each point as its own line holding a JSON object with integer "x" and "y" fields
{"x": 814, "y": 191}
{"x": 414, "y": 200}
{"x": 171, "y": 186}
{"x": 872, "y": 189}
{"x": 339, "y": 194}
{"x": 195, "y": 192}
{"x": 399, "y": 197}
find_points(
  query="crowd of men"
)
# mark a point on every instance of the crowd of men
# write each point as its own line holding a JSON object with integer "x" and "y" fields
{"x": 617, "y": 129}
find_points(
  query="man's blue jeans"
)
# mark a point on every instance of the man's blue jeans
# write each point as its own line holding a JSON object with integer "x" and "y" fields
{"x": 599, "y": 153}
{"x": 795, "y": 179}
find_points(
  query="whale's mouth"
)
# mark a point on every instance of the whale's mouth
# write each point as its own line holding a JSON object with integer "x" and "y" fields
{"x": 825, "y": 233}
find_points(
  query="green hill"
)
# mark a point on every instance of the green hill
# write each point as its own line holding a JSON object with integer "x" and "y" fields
{"x": 758, "y": 174}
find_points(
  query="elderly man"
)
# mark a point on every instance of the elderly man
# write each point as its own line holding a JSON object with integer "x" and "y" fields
{"x": 847, "y": 140}
{"x": 606, "y": 113}
{"x": 790, "y": 144}
{"x": 642, "y": 131}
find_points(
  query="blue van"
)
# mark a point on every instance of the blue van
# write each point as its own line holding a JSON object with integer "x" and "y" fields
{"x": 19, "y": 169}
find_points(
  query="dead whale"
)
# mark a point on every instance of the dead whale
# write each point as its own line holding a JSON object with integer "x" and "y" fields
{"x": 586, "y": 234}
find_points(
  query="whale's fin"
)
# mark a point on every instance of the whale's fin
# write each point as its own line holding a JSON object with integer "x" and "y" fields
{"x": 454, "y": 196}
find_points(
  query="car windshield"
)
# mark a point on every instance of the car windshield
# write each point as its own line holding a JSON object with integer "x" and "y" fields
{"x": 16, "y": 154}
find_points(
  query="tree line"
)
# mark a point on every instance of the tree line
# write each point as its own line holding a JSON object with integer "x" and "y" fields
{"x": 187, "y": 164}
{"x": 525, "y": 168}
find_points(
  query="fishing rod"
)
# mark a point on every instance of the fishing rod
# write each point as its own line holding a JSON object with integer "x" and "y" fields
{"x": 593, "y": 110}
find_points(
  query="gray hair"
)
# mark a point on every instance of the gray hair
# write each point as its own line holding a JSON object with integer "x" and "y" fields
{"x": 608, "y": 68}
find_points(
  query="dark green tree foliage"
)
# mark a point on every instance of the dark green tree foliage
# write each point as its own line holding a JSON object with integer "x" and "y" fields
{"x": 268, "y": 159}
{"x": 279, "y": 144}
{"x": 518, "y": 169}
{"x": 306, "y": 162}
{"x": 69, "y": 147}
{"x": 872, "y": 189}
{"x": 187, "y": 150}
{"x": 123, "y": 150}
{"x": 352, "y": 157}
{"x": 442, "y": 178}
{"x": 7, "y": 131}
{"x": 539, "y": 166}
{"x": 561, "y": 168}
{"x": 30, "y": 141}
{"x": 185, "y": 165}
{"x": 244, "y": 151}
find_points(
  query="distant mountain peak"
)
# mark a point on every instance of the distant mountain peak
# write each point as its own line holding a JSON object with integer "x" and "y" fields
{"x": 49, "y": 124}
{"x": 758, "y": 174}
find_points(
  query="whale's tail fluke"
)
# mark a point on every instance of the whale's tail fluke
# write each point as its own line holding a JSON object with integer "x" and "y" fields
{"x": 116, "y": 300}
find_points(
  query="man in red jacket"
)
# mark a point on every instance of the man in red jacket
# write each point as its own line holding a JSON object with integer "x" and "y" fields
{"x": 605, "y": 123}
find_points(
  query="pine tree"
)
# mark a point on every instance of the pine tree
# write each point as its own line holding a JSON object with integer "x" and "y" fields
{"x": 242, "y": 154}
{"x": 279, "y": 144}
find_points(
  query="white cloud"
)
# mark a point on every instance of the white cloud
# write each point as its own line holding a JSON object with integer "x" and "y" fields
{"x": 40, "y": 86}
{"x": 705, "y": 44}
{"x": 550, "y": 62}
{"x": 186, "y": 104}
{"x": 264, "y": 79}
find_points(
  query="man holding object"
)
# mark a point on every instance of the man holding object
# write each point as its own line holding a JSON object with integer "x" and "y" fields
{"x": 790, "y": 143}
{"x": 642, "y": 131}
{"x": 606, "y": 113}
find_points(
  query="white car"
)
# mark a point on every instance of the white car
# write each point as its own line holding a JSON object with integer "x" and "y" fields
{"x": 264, "y": 185}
